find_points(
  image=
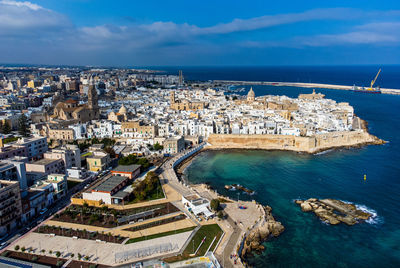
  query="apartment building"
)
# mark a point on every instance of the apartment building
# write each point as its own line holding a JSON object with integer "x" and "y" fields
{"x": 10, "y": 206}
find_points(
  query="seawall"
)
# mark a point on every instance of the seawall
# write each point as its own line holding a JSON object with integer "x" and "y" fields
{"x": 311, "y": 144}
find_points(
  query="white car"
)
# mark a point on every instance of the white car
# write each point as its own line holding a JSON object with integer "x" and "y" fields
{"x": 4, "y": 244}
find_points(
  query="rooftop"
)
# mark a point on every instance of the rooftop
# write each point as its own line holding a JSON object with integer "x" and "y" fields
{"x": 44, "y": 161}
{"x": 129, "y": 168}
{"x": 109, "y": 184}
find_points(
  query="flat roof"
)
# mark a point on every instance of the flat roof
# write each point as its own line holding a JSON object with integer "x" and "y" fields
{"x": 44, "y": 161}
{"x": 129, "y": 168}
{"x": 120, "y": 194}
{"x": 109, "y": 184}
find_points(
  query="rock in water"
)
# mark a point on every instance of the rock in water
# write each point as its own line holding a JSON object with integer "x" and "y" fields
{"x": 333, "y": 211}
{"x": 305, "y": 206}
{"x": 254, "y": 240}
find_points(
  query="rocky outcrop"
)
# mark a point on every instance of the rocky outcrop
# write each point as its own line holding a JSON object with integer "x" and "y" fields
{"x": 268, "y": 227}
{"x": 333, "y": 211}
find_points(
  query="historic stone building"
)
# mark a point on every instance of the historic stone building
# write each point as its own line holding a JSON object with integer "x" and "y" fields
{"x": 185, "y": 105}
{"x": 70, "y": 109}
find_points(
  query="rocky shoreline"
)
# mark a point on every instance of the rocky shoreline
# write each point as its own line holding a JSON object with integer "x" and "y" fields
{"x": 333, "y": 211}
{"x": 267, "y": 227}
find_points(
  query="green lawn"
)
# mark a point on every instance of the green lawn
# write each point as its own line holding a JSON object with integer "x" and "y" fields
{"x": 138, "y": 239}
{"x": 209, "y": 231}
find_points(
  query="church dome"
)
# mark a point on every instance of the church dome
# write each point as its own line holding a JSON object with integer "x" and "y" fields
{"x": 122, "y": 110}
{"x": 251, "y": 95}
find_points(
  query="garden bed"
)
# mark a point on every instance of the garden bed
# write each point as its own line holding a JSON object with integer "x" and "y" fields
{"x": 143, "y": 238}
{"x": 39, "y": 259}
{"x": 157, "y": 223}
{"x": 108, "y": 218}
{"x": 82, "y": 234}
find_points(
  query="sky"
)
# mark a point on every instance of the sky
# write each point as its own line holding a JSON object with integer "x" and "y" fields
{"x": 200, "y": 33}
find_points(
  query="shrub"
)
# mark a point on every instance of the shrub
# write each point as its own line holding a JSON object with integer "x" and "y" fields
{"x": 72, "y": 255}
{"x": 58, "y": 254}
{"x": 34, "y": 258}
{"x": 23, "y": 249}
{"x": 16, "y": 248}
{"x": 59, "y": 263}
{"x": 5, "y": 253}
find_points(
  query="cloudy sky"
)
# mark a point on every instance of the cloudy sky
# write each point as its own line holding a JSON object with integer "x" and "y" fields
{"x": 182, "y": 32}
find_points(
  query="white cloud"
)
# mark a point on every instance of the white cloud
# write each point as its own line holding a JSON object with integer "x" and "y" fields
{"x": 21, "y": 4}
{"x": 25, "y": 26}
{"x": 26, "y": 19}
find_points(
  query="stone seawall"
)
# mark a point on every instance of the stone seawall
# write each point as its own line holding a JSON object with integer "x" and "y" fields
{"x": 312, "y": 144}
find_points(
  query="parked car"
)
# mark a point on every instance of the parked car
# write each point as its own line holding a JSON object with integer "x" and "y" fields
{"x": 4, "y": 244}
{"x": 43, "y": 211}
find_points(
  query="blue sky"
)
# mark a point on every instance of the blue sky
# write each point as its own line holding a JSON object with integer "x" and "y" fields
{"x": 182, "y": 32}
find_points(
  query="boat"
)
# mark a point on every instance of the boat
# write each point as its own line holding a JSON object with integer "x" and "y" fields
{"x": 376, "y": 90}
{"x": 371, "y": 89}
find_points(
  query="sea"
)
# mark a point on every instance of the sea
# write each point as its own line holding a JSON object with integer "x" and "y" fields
{"x": 280, "y": 177}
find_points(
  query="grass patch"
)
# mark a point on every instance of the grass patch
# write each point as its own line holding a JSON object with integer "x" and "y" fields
{"x": 209, "y": 231}
{"x": 87, "y": 154}
{"x": 148, "y": 189}
{"x": 142, "y": 238}
{"x": 72, "y": 184}
{"x": 9, "y": 139}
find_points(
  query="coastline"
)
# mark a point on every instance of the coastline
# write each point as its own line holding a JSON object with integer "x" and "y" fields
{"x": 391, "y": 91}
{"x": 311, "y": 145}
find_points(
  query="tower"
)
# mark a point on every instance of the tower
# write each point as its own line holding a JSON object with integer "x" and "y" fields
{"x": 180, "y": 83}
{"x": 92, "y": 95}
{"x": 172, "y": 97}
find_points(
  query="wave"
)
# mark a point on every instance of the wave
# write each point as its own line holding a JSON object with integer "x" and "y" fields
{"x": 324, "y": 152}
{"x": 374, "y": 219}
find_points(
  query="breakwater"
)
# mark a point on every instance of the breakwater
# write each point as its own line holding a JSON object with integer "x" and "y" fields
{"x": 391, "y": 91}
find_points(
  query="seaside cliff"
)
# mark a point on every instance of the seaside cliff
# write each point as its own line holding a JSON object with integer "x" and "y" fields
{"x": 311, "y": 144}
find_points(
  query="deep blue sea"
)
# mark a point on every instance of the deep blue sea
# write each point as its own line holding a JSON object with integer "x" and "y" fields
{"x": 280, "y": 177}
{"x": 338, "y": 75}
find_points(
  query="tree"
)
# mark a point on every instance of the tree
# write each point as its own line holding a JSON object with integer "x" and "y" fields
{"x": 215, "y": 204}
{"x": 23, "y": 127}
{"x": 72, "y": 255}
{"x": 110, "y": 151}
{"x": 16, "y": 248}
{"x": 58, "y": 254}
{"x": 158, "y": 147}
{"x": 79, "y": 256}
{"x": 23, "y": 249}
{"x": 6, "y": 128}
{"x": 220, "y": 214}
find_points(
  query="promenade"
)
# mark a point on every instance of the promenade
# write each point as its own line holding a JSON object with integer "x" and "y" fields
{"x": 237, "y": 222}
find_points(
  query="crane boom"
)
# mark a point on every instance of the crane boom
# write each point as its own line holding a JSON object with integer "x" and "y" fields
{"x": 376, "y": 77}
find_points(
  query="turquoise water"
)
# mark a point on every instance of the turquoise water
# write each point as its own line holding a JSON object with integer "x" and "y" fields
{"x": 280, "y": 177}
